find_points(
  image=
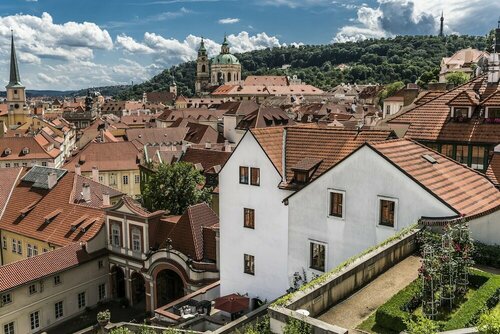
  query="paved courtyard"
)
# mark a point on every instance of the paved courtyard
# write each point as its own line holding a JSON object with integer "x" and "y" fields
{"x": 354, "y": 310}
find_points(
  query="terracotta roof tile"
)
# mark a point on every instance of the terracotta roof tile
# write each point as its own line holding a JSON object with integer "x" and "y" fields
{"x": 106, "y": 157}
{"x": 34, "y": 268}
{"x": 466, "y": 191}
{"x": 265, "y": 117}
{"x": 34, "y": 145}
{"x": 493, "y": 171}
{"x": 206, "y": 157}
{"x": 271, "y": 141}
{"x": 8, "y": 179}
{"x": 156, "y": 136}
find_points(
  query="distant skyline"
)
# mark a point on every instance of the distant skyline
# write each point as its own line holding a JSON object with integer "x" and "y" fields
{"x": 73, "y": 44}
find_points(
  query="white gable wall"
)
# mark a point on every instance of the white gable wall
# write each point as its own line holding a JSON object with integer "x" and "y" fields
{"x": 268, "y": 241}
{"x": 364, "y": 176}
{"x": 486, "y": 229}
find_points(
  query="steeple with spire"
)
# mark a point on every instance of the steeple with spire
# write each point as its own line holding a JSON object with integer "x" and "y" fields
{"x": 441, "y": 28}
{"x": 202, "y": 70}
{"x": 16, "y": 95}
{"x": 225, "y": 46}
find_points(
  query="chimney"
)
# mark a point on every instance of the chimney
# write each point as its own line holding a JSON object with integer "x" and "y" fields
{"x": 95, "y": 174}
{"x": 78, "y": 169}
{"x": 105, "y": 199}
{"x": 494, "y": 60}
{"x": 227, "y": 147}
{"x": 52, "y": 180}
{"x": 208, "y": 145}
{"x": 86, "y": 192}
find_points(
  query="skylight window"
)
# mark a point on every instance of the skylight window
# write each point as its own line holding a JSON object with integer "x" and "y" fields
{"x": 429, "y": 158}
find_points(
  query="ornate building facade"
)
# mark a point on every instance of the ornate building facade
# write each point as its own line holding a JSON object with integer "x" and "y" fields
{"x": 225, "y": 68}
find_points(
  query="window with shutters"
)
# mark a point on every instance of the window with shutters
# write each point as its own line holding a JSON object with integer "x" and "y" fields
{"x": 249, "y": 218}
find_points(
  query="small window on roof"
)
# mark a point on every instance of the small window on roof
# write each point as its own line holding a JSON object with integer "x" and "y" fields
{"x": 429, "y": 158}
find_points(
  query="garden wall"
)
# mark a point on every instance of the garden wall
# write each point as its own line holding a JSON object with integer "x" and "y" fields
{"x": 340, "y": 285}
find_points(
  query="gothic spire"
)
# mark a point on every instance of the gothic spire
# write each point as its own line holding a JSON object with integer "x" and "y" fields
{"x": 15, "y": 79}
{"x": 441, "y": 32}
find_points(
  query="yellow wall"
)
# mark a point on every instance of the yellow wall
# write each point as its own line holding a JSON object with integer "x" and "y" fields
{"x": 132, "y": 188}
{"x": 8, "y": 256}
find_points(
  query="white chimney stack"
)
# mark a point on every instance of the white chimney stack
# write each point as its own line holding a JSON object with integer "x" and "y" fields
{"x": 105, "y": 199}
{"x": 95, "y": 174}
{"x": 208, "y": 145}
{"x": 52, "y": 180}
{"x": 86, "y": 192}
{"x": 78, "y": 169}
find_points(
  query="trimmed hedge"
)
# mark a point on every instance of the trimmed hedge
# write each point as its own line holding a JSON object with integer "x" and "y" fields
{"x": 391, "y": 315}
{"x": 487, "y": 255}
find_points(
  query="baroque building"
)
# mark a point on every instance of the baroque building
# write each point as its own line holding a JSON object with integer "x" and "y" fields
{"x": 225, "y": 68}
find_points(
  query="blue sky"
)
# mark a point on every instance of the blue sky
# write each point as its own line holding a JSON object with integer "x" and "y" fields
{"x": 71, "y": 44}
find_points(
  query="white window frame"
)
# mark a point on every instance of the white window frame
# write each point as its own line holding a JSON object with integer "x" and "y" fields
{"x": 136, "y": 237}
{"x": 14, "y": 246}
{"x": 36, "y": 321}
{"x": 8, "y": 324}
{"x": 4, "y": 242}
{"x": 487, "y": 113}
{"x": 328, "y": 203}
{"x": 125, "y": 179}
{"x": 29, "y": 250}
{"x": 82, "y": 302}
{"x": 244, "y": 264}
{"x": 4, "y": 297}
{"x": 137, "y": 178}
{"x": 58, "y": 281}
{"x": 35, "y": 250}
{"x": 309, "y": 255}
{"x": 115, "y": 233}
{"x": 56, "y": 309}
{"x": 396, "y": 209}
{"x": 469, "y": 111}
{"x": 103, "y": 295}
{"x": 34, "y": 290}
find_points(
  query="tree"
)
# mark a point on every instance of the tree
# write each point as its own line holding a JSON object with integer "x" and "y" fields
{"x": 175, "y": 187}
{"x": 390, "y": 89}
{"x": 457, "y": 78}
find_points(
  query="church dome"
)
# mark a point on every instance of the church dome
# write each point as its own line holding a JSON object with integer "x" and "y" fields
{"x": 225, "y": 59}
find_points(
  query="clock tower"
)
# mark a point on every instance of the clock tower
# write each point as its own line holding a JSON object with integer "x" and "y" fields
{"x": 16, "y": 94}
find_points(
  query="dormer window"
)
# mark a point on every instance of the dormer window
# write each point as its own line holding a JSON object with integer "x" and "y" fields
{"x": 26, "y": 150}
{"x": 305, "y": 169}
{"x": 460, "y": 112}
{"x": 301, "y": 177}
{"x": 7, "y": 151}
{"x": 492, "y": 114}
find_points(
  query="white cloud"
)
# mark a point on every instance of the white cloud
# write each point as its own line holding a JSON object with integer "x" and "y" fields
{"x": 229, "y": 20}
{"x": 130, "y": 45}
{"x": 398, "y": 17}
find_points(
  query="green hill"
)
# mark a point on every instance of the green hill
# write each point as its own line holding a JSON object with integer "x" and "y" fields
{"x": 403, "y": 58}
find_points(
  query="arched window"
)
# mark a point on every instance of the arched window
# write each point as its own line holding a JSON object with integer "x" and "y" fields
{"x": 228, "y": 76}
{"x": 136, "y": 240}
{"x": 203, "y": 68}
{"x": 115, "y": 235}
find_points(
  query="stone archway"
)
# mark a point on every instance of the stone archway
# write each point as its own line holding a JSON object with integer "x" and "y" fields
{"x": 169, "y": 286}
{"x": 118, "y": 281}
{"x": 138, "y": 289}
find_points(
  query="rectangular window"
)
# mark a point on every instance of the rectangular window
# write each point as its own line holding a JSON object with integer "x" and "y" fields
{"x": 387, "y": 212}
{"x": 7, "y": 165}
{"x": 16, "y": 164}
{"x": 4, "y": 242}
{"x": 243, "y": 175}
{"x": 447, "y": 150}
{"x": 101, "y": 179}
{"x": 493, "y": 112}
{"x": 255, "y": 176}
{"x": 100, "y": 264}
{"x": 25, "y": 164}
{"x": 461, "y": 112}
{"x": 44, "y": 163}
{"x": 137, "y": 179}
{"x": 35, "y": 250}
{"x": 58, "y": 310}
{"x": 136, "y": 240}
{"x": 317, "y": 256}
{"x": 81, "y": 300}
{"x": 57, "y": 280}
{"x": 336, "y": 204}
{"x": 478, "y": 153}
{"x": 6, "y": 299}
{"x": 125, "y": 179}
{"x": 249, "y": 264}
{"x": 34, "y": 320}
{"x": 115, "y": 235}
{"x": 32, "y": 289}
{"x": 102, "y": 291}
{"x": 14, "y": 246}
{"x": 249, "y": 218}
{"x": 19, "y": 247}
{"x": 462, "y": 155}
{"x": 29, "y": 250}
{"x": 9, "y": 328}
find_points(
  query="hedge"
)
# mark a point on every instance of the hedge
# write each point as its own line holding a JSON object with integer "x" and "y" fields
{"x": 488, "y": 255}
{"x": 391, "y": 315}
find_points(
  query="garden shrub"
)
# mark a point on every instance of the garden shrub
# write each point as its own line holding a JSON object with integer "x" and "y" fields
{"x": 489, "y": 323}
{"x": 296, "y": 326}
{"x": 392, "y": 314}
{"x": 487, "y": 255}
{"x": 421, "y": 325}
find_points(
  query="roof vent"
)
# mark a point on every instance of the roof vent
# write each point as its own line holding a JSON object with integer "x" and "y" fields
{"x": 429, "y": 158}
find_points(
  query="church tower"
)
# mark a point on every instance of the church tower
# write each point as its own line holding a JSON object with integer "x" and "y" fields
{"x": 202, "y": 70}
{"x": 16, "y": 95}
{"x": 441, "y": 28}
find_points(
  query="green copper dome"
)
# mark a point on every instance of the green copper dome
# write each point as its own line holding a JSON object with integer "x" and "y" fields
{"x": 225, "y": 59}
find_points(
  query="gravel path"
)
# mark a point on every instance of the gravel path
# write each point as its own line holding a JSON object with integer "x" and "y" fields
{"x": 354, "y": 310}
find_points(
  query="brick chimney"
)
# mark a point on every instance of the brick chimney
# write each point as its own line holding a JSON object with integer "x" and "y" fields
{"x": 105, "y": 199}
{"x": 52, "y": 180}
{"x": 78, "y": 169}
{"x": 95, "y": 174}
{"x": 86, "y": 192}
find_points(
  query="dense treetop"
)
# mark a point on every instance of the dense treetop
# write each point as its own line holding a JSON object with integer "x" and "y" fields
{"x": 402, "y": 58}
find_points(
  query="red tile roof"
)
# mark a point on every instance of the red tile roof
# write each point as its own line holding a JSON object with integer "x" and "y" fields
{"x": 265, "y": 117}
{"x": 35, "y": 146}
{"x": 206, "y": 157}
{"x": 271, "y": 141}
{"x": 106, "y": 157}
{"x": 187, "y": 235}
{"x": 464, "y": 190}
{"x": 28, "y": 205}
{"x": 34, "y": 268}
{"x": 493, "y": 171}
{"x": 8, "y": 179}
{"x": 431, "y": 121}
{"x": 267, "y": 80}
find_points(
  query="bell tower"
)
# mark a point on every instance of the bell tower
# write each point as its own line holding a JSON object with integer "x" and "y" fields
{"x": 16, "y": 94}
{"x": 202, "y": 70}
